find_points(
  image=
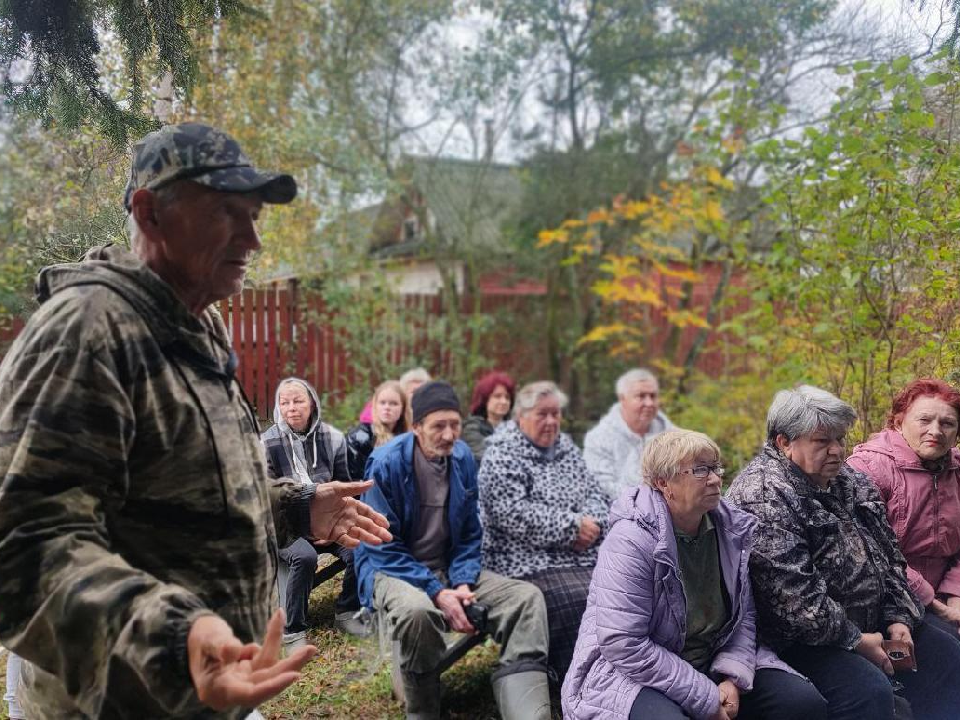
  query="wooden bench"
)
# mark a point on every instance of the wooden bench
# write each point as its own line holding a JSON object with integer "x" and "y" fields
{"x": 328, "y": 572}
{"x": 459, "y": 645}
{"x": 323, "y": 573}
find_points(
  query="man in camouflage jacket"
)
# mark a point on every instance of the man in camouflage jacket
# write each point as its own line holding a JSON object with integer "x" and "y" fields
{"x": 138, "y": 530}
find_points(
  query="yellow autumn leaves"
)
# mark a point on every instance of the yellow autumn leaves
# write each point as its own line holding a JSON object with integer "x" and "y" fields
{"x": 653, "y": 236}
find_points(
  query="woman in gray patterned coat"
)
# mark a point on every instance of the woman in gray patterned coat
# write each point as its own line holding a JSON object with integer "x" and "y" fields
{"x": 829, "y": 580}
{"x": 543, "y": 512}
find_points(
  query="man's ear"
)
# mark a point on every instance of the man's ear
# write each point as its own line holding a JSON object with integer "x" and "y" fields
{"x": 143, "y": 207}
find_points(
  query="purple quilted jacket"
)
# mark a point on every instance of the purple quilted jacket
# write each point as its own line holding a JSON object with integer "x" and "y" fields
{"x": 633, "y": 630}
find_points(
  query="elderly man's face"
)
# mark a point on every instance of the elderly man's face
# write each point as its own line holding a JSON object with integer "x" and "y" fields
{"x": 542, "y": 422}
{"x": 639, "y": 405}
{"x": 209, "y": 237}
{"x": 437, "y": 433}
{"x": 819, "y": 455}
{"x": 295, "y": 406}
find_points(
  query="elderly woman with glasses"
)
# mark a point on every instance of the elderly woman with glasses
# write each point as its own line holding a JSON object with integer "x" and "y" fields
{"x": 829, "y": 579}
{"x": 669, "y": 627}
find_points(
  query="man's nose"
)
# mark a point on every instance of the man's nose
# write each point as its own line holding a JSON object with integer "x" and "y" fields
{"x": 251, "y": 236}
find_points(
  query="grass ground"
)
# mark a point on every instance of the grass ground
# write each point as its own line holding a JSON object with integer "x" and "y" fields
{"x": 348, "y": 680}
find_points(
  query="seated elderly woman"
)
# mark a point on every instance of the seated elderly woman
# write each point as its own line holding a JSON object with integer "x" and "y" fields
{"x": 490, "y": 406}
{"x": 916, "y": 466}
{"x": 669, "y": 627}
{"x": 543, "y": 513}
{"x": 303, "y": 447}
{"x": 829, "y": 580}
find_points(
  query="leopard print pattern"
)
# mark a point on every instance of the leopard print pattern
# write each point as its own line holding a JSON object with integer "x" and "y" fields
{"x": 531, "y": 506}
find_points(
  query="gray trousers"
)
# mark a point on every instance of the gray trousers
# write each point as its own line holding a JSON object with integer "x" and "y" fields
{"x": 517, "y": 620}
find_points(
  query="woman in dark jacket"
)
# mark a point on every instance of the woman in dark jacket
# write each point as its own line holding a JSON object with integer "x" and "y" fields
{"x": 492, "y": 402}
{"x": 390, "y": 413}
{"x": 301, "y": 446}
{"x": 830, "y": 582}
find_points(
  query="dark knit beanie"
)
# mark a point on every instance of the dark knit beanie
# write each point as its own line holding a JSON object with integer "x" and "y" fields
{"x": 433, "y": 396}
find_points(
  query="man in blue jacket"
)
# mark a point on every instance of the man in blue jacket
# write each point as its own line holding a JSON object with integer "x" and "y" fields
{"x": 422, "y": 581}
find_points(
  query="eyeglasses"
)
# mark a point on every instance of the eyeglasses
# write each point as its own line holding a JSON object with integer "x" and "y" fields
{"x": 702, "y": 472}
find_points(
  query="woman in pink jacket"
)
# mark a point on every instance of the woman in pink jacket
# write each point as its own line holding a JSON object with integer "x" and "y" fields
{"x": 916, "y": 465}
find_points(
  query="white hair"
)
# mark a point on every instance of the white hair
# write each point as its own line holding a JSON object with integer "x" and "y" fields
{"x": 417, "y": 374}
{"x": 163, "y": 196}
{"x": 800, "y": 412}
{"x": 631, "y": 377}
{"x": 532, "y": 393}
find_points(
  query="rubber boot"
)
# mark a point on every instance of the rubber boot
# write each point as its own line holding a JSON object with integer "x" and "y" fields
{"x": 421, "y": 691}
{"x": 523, "y": 696}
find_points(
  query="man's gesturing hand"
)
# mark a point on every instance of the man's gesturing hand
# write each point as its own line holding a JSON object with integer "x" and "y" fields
{"x": 336, "y": 516}
{"x": 228, "y": 674}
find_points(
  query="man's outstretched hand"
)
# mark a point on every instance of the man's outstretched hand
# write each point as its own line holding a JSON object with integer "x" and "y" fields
{"x": 337, "y": 516}
{"x": 228, "y": 674}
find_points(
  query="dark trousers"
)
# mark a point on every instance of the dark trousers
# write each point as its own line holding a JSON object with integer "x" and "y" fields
{"x": 948, "y": 627}
{"x": 776, "y": 695}
{"x": 301, "y": 560}
{"x": 856, "y": 689}
{"x": 565, "y": 593}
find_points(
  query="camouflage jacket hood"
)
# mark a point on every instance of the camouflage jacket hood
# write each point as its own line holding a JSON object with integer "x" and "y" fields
{"x": 133, "y": 495}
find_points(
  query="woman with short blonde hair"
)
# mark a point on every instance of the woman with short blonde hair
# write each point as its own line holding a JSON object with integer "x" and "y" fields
{"x": 669, "y": 630}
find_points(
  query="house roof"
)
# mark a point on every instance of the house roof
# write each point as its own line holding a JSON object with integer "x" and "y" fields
{"x": 467, "y": 202}
{"x": 470, "y": 201}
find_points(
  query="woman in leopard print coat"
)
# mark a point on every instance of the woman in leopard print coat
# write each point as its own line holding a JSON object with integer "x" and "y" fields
{"x": 543, "y": 512}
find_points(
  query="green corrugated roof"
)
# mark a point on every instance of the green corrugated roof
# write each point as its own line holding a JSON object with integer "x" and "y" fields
{"x": 470, "y": 201}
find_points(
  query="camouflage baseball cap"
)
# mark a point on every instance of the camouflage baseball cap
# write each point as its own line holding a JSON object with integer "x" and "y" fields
{"x": 205, "y": 155}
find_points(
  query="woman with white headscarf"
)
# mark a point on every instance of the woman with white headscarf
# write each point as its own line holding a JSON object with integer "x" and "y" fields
{"x": 301, "y": 446}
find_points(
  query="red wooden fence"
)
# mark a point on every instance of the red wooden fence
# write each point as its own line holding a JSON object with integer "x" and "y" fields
{"x": 9, "y": 331}
{"x": 282, "y": 330}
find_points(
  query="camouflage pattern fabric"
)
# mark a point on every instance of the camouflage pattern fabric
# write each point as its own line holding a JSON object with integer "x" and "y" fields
{"x": 134, "y": 495}
{"x": 825, "y": 564}
{"x": 205, "y": 155}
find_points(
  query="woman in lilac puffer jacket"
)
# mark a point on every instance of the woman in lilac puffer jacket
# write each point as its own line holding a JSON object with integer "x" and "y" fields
{"x": 669, "y": 630}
